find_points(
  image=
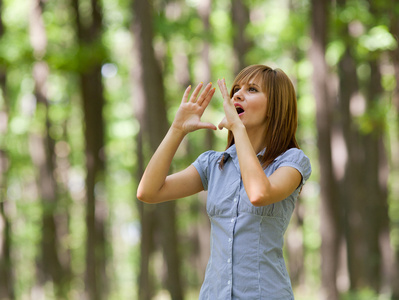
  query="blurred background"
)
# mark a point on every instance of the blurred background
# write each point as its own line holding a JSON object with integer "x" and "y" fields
{"x": 88, "y": 90}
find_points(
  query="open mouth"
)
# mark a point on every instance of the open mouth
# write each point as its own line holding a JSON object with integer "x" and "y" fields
{"x": 239, "y": 109}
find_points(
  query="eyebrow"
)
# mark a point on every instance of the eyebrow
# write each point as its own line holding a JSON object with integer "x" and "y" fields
{"x": 253, "y": 84}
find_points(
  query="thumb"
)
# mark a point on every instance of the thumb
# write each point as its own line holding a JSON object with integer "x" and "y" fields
{"x": 205, "y": 125}
{"x": 222, "y": 123}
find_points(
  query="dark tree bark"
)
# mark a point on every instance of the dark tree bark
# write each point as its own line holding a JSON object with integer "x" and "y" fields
{"x": 351, "y": 190}
{"x": 89, "y": 37}
{"x": 394, "y": 29}
{"x": 376, "y": 189}
{"x": 6, "y": 274}
{"x": 241, "y": 43}
{"x": 204, "y": 10}
{"x": 157, "y": 221}
{"x": 330, "y": 211}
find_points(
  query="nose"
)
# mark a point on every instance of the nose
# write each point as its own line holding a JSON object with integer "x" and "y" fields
{"x": 238, "y": 96}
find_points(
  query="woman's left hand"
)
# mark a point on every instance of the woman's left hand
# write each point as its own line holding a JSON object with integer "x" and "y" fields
{"x": 231, "y": 118}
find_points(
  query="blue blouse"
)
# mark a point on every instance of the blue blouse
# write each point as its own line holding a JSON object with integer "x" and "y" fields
{"x": 246, "y": 259}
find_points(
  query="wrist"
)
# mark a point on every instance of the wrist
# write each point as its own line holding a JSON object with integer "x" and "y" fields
{"x": 237, "y": 127}
{"x": 177, "y": 131}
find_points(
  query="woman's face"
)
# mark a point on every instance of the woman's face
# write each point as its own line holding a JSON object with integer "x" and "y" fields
{"x": 250, "y": 102}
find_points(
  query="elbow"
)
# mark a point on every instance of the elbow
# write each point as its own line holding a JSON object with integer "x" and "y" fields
{"x": 140, "y": 196}
{"x": 143, "y": 197}
{"x": 259, "y": 200}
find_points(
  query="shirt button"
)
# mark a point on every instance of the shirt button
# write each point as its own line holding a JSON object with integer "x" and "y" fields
{"x": 232, "y": 220}
{"x": 229, "y": 260}
{"x": 235, "y": 199}
{"x": 230, "y": 240}
{"x": 228, "y": 282}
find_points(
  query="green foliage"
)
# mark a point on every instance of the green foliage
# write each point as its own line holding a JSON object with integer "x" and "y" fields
{"x": 364, "y": 294}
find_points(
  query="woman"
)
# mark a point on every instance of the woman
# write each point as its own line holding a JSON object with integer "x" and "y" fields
{"x": 252, "y": 186}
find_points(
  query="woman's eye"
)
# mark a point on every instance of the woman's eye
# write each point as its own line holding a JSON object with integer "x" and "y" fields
{"x": 235, "y": 90}
{"x": 252, "y": 89}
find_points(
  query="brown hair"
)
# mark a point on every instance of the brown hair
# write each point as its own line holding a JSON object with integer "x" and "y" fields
{"x": 281, "y": 110}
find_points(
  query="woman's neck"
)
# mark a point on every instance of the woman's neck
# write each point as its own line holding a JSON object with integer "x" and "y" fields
{"x": 256, "y": 138}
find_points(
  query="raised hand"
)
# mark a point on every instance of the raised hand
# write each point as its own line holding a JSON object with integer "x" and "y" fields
{"x": 188, "y": 116}
{"x": 231, "y": 117}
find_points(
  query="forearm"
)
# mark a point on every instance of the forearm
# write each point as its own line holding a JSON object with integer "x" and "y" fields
{"x": 158, "y": 168}
{"x": 255, "y": 181}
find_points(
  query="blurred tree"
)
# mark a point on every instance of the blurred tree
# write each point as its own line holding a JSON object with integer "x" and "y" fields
{"x": 394, "y": 29}
{"x": 89, "y": 33}
{"x": 241, "y": 41}
{"x": 158, "y": 222}
{"x": 203, "y": 227}
{"x": 364, "y": 184}
{"x": 330, "y": 205}
{"x": 358, "y": 157}
{"x": 49, "y": 267}
{"x": 6, "y": 273}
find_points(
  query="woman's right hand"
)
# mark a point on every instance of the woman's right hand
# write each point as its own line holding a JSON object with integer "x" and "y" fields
{"x": 188, "y": 116}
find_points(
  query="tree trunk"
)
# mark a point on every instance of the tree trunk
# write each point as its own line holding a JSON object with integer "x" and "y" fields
{"x": 364, "y": 186}
{"x": 203, "y": 226}
{"x": 394, "y": 29}
{"x": 151, "y": 112}
{"x": 241, "y": 44}
{"x": 351, "y": 190}
{"x": 330, "y": 213}
{"x": 376, "y": 189}
{"x": 6, "y": 267}
{"x": 93, "y": 101}
{"x": 42, "y": 153}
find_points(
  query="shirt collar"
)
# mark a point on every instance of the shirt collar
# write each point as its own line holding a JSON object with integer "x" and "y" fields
{"x": 261, "y": 153}
{"x": 231, "y": 152}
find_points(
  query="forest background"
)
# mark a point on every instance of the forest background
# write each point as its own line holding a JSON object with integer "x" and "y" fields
{"x": 88, "y": 88}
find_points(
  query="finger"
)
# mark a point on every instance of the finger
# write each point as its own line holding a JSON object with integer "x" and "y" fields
{"x": 185, "y": 95}
{"x": 204, "y": 125}
{"x": 208, "y": 98}
{"x": 196, "y": 92}
{"x": 204, "y": 94}
{"x": 223, "y": 89}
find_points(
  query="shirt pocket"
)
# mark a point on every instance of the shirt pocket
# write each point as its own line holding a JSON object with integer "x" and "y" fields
{"x": 221, "y": 194}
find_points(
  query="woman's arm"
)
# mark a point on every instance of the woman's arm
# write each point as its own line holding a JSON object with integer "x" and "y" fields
{"x": 261, "y": 190}
{"x": 155, "y": 185}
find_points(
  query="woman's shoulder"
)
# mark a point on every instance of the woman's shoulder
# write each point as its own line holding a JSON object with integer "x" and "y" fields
{"x": 209, "y": 157}
{"x": 294, "y": 157}
{"x": 292, "y": 154}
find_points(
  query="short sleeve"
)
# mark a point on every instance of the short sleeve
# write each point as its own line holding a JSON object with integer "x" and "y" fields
{"x": 297, "y": 159}
{"x": 202, "y": 166}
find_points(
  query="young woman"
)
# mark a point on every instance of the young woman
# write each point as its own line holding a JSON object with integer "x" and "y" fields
{"x": 252, "y": 186}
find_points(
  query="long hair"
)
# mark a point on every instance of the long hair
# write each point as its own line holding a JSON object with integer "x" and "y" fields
{"x": 281, "y": 110}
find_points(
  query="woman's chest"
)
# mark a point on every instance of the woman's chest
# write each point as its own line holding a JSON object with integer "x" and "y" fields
{"x": 227, "y": 196}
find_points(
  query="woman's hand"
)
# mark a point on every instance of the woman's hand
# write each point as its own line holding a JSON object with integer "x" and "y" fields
{"x": 231, "y": 119}
{"x": 188, "y": 116}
